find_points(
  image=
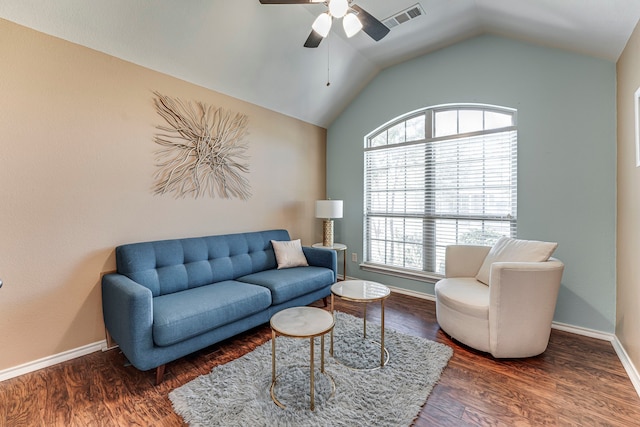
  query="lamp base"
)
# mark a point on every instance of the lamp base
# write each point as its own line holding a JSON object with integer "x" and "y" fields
{"x": 327, "y": 232}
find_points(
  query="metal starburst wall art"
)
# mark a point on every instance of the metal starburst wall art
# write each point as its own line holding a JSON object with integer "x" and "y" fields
{"x": 203, "y": 150}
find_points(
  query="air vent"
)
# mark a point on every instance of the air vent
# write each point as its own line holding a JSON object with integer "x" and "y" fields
{"x": 404, "y": 16}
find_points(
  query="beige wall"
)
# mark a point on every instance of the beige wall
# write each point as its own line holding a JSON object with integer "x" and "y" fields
{"x": 628, "y": 221}
{"x": 76, "y": 166}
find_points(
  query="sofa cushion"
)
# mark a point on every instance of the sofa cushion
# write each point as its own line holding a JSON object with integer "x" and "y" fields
{"x": 507, "y": 249}
{"x": 291, "y": 283}
{"x": 464, "y": 295}
{"x": 168, "y": 266}
{"x": 289, "y": 254}
{"x": 182, "y": 315}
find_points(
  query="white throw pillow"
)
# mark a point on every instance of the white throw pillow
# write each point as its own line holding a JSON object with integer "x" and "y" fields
{"x": 289, "y": 254}
{"x": 507, "y": 249}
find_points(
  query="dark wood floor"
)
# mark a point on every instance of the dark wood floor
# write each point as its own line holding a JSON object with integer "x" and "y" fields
{"x": 578, "y": 381}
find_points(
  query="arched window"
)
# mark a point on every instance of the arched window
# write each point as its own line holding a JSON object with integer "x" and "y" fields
{"x": 435, "y": 177}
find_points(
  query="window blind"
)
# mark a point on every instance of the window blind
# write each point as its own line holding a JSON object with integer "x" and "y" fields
{"x": 423, "y": 195}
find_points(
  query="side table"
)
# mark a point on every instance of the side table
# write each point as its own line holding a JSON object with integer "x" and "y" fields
{"x": 363, "y": 291}
{"x": 338, "y": 247}
{"x": 301, "y": 322}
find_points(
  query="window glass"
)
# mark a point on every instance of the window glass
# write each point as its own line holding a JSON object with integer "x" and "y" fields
{"x": 470, "y": 121}
{"x": 396, "y": 134}
{"x": 415, "y": 128}
{"x": 446, "y": 123}
{"x": 495, "y": 120}
{"x": 380, "y": 139}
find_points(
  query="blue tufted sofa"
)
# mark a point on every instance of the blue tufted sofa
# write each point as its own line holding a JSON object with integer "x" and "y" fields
{"x": 170, "y": 298}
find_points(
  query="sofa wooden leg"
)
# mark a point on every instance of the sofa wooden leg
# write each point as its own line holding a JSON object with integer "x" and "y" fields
{"x": 324, "y": 299}
{"x": 110, "y": 342}
{"x": 160, "y": 373}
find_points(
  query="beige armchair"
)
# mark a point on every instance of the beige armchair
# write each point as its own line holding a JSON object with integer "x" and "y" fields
{"x": 509, "y": 318}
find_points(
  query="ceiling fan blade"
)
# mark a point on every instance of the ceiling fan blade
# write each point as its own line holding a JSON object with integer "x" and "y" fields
{"x": 370, "y": 25}
{"x": 290, "y": 1}
{"x": 313, "y": 40}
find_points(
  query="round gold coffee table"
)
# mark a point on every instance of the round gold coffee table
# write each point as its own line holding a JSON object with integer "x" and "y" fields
{"x": 363, "y": 291}
{"x": 301, "y": 322}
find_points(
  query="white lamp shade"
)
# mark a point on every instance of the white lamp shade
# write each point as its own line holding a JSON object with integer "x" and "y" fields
{"x": 322, "y": 24}
{"x": 351, "y": 24}
{"x": 338, "y": 8}
{"x": 329, "y": 209}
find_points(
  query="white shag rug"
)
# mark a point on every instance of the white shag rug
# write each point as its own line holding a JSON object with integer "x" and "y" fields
{"x": 238, "y": 393}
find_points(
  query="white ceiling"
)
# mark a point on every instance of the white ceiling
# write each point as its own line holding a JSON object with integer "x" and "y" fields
{"x": 254, "y": 52}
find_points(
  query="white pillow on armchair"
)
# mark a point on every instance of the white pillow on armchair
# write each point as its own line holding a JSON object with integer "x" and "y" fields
{"x": 507, "y": 249}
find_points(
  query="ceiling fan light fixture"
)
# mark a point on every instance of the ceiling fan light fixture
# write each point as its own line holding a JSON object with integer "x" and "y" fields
{"x": 338, "y": 8}
{"x": 322, "y": 24}
{"x": 351, "y": 24}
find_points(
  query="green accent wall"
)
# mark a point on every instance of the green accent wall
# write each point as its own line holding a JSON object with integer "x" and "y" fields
{"x": 566, "y": 106}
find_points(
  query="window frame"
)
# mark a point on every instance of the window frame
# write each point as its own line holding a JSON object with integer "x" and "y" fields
{"x": 429, "y": 269}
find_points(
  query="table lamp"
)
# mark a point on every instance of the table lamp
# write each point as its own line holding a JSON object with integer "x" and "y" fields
{"x": 328, "y": 209}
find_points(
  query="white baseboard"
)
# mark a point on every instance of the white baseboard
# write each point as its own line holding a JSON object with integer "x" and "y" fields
{"x": 628, "y": 365}
{"x": 591, "y": 333}
{"x": 409, "y": 292}
{"x": 52, "y": 360}
{"x": 403, "y": 291}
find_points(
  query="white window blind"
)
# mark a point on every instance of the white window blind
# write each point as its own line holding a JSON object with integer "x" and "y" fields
{"x": 440, "y": 177}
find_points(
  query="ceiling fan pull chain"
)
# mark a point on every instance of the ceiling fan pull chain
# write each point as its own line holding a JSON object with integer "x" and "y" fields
{"x": 328, "y": 59}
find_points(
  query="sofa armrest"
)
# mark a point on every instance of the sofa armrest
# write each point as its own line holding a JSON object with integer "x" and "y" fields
{"x": 322, "y": 257}
{"x": 464, "y": 260}
{"x": 128, "y": 314}
{"x": 522, "y": 293}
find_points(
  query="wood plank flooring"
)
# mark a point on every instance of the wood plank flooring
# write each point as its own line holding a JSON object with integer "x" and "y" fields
{"x": 578, "y": 381}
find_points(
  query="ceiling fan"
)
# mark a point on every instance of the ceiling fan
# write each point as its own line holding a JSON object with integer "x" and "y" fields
{"x": 354, "y": 19}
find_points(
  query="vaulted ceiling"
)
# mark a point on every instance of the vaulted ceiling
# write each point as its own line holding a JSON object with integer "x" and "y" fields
{"x": 255, "y": 52}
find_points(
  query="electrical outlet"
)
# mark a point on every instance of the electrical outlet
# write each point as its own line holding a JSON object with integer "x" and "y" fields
{"x": 354, "y": 257}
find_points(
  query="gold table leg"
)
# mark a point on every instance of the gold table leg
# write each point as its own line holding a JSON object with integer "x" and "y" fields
{"x": 365, "y": 320}
{"x": 322, "y": 354}
{"x": 311, "y": 377}
{"x": 273, "y": 356}
{"x": 382, "y": 333}
{"x": 344, "y": 264}
{"x": 334, "y": 319}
